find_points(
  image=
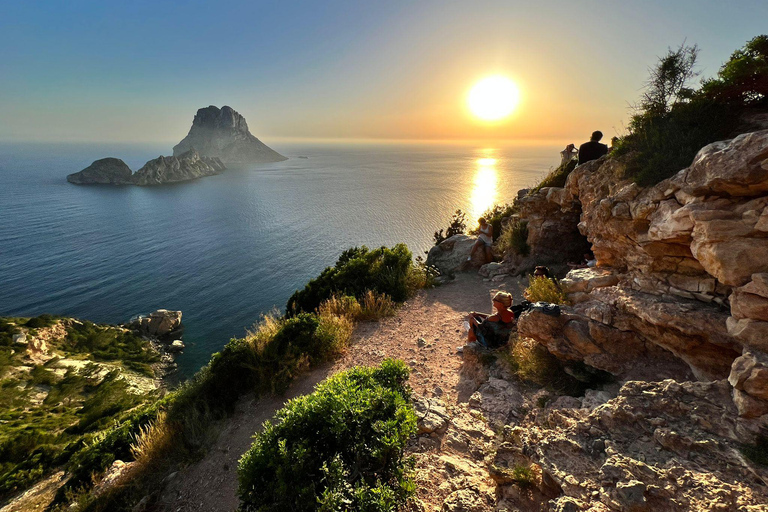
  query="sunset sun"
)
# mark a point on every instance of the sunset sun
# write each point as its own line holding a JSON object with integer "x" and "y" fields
{"x": 493, "y": 98}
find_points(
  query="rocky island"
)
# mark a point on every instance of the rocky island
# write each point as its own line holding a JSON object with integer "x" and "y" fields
{"x": 163, "y": 169}
{"x": 223, "y": 133}
{"x": 218, "y": 137}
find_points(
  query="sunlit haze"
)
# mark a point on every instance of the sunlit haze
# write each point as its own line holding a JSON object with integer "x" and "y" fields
{"x": 89, "y": 70}
{"x": 493, "y": 98}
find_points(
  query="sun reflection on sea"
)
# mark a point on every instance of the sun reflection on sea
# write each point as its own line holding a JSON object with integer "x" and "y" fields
{"x": 484, "y": 192}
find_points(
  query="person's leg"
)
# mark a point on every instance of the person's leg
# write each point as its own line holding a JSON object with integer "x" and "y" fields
{"x": 488, "y": 254}
{"x": 478, "y": 243}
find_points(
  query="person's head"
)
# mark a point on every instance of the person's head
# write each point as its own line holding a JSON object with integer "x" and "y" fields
{"x": 481, "y": 221}
{"x": 502, "y": 300}
{"x": 541, "y": 271}
{"x": 596, "y": 135}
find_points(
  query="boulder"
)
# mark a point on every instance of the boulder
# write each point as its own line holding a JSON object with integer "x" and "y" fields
{"x": 176, "y": 346}
{"x": 159, "y": 323}
{"x": 107, "y": 171}
{"x": 451, "y": 254}
{"x": 223, "y": 133}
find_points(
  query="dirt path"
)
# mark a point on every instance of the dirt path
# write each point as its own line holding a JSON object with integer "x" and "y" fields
{"x": 425, "y": 334}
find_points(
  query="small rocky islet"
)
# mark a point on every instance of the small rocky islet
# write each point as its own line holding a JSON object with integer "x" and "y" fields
{"x": 218, "y": 138}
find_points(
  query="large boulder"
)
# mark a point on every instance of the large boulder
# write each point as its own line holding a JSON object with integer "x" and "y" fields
{"x": 174, "y": 169}
{"x": 451, "y": 254}
{"x": 107, "y": 171}
{"x": 223, "y": 133}
{"x": 159, "y": 323}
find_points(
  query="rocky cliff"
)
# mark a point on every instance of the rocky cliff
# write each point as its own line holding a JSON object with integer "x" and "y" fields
{"x": 223, "y": 133}
{"x": 682, "y": 271}
{"x": 173, "y": 169}
{"x": 163, "y": 169}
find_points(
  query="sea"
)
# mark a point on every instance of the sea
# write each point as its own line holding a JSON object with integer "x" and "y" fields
{"x": 227, "y": 249}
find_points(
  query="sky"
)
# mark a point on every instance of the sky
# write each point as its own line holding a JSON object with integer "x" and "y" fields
{"x": 103, "y": 70}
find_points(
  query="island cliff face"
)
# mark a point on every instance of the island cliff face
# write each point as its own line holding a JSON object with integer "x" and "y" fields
{"x": 173, "y": 169}
{"x": 223, "y": 133}
{"x": 163, "y": 169}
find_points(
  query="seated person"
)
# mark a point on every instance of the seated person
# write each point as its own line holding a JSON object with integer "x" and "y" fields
{"x": 484, "y": 241}
{"x": 493, "y": 330}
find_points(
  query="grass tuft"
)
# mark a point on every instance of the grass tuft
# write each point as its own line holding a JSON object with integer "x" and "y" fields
{"x": 543, "y": 289}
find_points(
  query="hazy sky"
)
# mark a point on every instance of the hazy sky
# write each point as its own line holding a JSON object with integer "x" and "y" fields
{"x": 138, "y": 70}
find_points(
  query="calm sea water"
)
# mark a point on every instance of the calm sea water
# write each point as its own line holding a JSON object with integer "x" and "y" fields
{"x": 227, "y": 248}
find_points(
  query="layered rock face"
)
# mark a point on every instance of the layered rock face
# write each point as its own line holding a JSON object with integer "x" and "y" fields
{"x": 107, "y": 171}
{"x": 223, "y": 133}
{"x": 173, "y": 169}
{"x": 683, "y": 270}
{"x": 452, "y": 253}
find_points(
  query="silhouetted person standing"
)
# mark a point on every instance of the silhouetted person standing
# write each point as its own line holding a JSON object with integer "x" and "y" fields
{"x": 592, "y": 150}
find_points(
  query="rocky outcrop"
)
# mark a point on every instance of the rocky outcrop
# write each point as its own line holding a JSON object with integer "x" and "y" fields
{"x": 158, "y": 323}
{"x": 174, "y": 169}
{"x": 682, "y": 270}
{"x": 223, "y": 133}
{"x": 161, "y": 170}
{"x": 107, "y": 171}
{"x": 451, "y": 254}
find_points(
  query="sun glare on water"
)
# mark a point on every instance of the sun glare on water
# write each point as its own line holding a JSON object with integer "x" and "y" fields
{"x": 493, "y": 98}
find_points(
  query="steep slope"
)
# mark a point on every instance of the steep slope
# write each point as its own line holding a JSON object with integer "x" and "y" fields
{"x": 223, "y": 133}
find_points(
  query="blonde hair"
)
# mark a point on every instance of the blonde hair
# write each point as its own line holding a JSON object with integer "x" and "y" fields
{"x": 503, "y": 298}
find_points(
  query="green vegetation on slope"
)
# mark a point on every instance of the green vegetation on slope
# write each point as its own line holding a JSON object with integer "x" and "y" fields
{"x": 182, "y": 426}
{"x": 53, "y": 405}
{"x": 339, "y": 448}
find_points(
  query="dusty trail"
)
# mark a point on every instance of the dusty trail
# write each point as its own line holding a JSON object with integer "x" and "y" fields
{"x": 425, "y": 334}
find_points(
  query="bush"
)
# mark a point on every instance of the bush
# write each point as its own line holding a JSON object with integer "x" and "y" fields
{"x": 383, "y": 270}
{"x": 514, "y": 238}
{"x": 543, "y": 289}
{"x": 457, "y": 226}
{"x": 339, "y": 448}
{"x": 41, "y": 321}
{"x": 557, "y": 177}
{"x": 672, "y": 121}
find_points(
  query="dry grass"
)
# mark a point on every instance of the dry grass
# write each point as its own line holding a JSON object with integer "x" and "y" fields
{"x": 373, "y": 306}
{"x": 334, "y": 332}
{"x": 543, "y": 289}
{"x": 262, "y": 333}
{"x": 341, "y": 306}
{"x": 533, "y": 362}
{"x": 377, "y": 305}
{"x": 154, "y": 440}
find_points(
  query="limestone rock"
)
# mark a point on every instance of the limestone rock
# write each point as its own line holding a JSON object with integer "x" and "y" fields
{"x": 107, "y": 171}
{"x": 431, "y": 413}
{"x": 173, "y": 169}
{"x": 451, "y": 254}
{"x": 588, "y": 279}
{"x": 159, "y": 323}
{"x": 176, "y": 346}
{"x": 223, "y": 133}
{"x": 464, "y": 500}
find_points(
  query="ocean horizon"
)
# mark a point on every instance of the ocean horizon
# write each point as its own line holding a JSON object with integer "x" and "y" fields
{"x": 227, "y": 249}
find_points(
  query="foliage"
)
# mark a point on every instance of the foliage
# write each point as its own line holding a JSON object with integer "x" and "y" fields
{"x": 339, "y": 448}
{"x": 667, "y": 83}
{"x": 383, "y": 270}
{"x": 544, "y": 289}
{"x": 672, "y": 122}
{"x": 50, "y": 412}
{"x": 107, "y": 343}
{"x": 557, "y": 177}
{"x": 523, "y": 476}
{"x": 457, "y": 226}
{"x": 743, "y": 80}
{"x": 514, "y": 238}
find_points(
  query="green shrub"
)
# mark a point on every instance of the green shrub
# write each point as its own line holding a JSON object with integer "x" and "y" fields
{"x": 543, "y": 289}
{"x": 758, "y": 452}
{"x": 339, "y": 448}
{"x": 743, "y": 80}
{"x": 514, "y": 238}
{"x": 106, "y": 343}
{"x": 557, "y": 177}
{"x": 457, "y": 226}
{"x": 41, "y": 321}
{"x": 523, "y": 476}
{"x": 358, "y": 270}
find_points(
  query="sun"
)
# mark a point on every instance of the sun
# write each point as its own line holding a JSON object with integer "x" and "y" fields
{"x": 493, "y": 98}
